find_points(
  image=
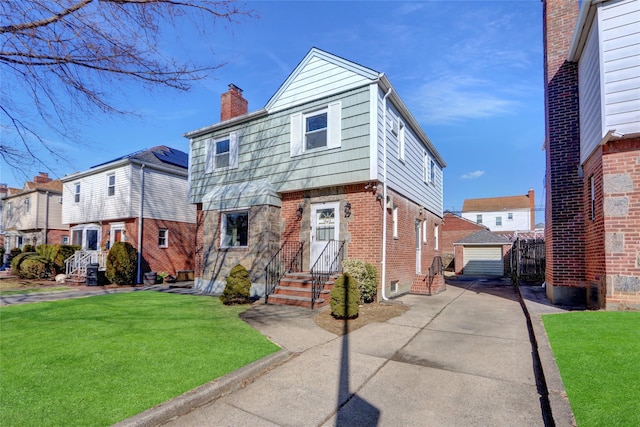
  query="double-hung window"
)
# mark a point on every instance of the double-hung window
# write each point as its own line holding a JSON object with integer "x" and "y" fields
{"x": 401, "y": 141}
{"x": 76, "y": 194}
{"x": 592, "y": 197}
{"x": 316, "y": 130}
{"x": 479, "y": 219}
{"x": 27, "y": 205}
{"x": 498, "y": 221}
{"x": 235, "y": 229}
{"x": 221, "y": 153}
{"x": 111, "y": 184}
{"x": 163, "y": 238}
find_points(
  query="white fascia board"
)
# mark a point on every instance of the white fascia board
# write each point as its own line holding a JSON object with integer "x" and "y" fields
{"x": 586, "y": 15}
{"x": 93, "y": 171}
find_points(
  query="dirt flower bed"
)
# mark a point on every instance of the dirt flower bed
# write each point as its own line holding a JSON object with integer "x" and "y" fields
{"x": 375, "y": 312}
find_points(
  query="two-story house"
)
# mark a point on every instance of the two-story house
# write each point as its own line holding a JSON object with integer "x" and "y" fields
{"x": 333, "y": 166}
{"x": 141, "y": 198}
{"x": 32, "y": 215}
{"x": 502, "y": 214}
{"x": 592, "y": 94}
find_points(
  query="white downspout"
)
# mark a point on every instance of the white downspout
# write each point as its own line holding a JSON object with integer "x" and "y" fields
{"x": 384, "y": 195}
{"x": 140, "y": 215}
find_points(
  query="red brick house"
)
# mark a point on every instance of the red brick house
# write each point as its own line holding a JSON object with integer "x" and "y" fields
{"x": 333, "y": 167}
{"x": 592, "y": 145}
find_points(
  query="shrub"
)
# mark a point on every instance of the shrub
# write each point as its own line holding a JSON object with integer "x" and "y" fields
{"x": 13, "y": 252}
{"x": 28, "y": 248}
{"x": 2, "y": 252}
{"x": 345, "y": 298}
{"x": 367, "y": 277}
{"x": 29, "y": 265}
{"x": 34, "y": 267}
{"x": 122, "y": 264}
{"x": 56, "y": 254}
{"x": 238, "y": 287}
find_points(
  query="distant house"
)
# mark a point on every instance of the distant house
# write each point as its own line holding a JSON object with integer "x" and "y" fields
{"x": 31, "y": 215}
{"x": 481, "y": 254}
{"x": 334, "y": 166}
{"x": 454, "y": 228}
{"x": 140, "y": 198}
{"x": 592, "y": 81}
{"x": 502, "y": 214}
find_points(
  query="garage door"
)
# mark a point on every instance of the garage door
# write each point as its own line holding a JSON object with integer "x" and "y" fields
{"x": 483, "y": 261}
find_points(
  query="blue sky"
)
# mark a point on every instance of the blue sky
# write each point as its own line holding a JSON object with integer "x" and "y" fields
{"x": 471, "y": 72}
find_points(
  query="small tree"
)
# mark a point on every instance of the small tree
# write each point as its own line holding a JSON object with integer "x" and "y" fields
{"x": 122, "y": 264}
{"x": 345, "y": 298}
{"x": 238, "y": 287}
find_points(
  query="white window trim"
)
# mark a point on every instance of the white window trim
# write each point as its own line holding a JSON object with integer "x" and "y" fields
{"x": 166, "y": 237}
{"x": 109, "y": 186}
{"x": 210, "y": 153}
{"x": 27, "y": 204}
{"x": 435, "y": 237}
{"x": 395, "y": 222}
{"x": 77, "y": 189}
{"x": 401, "y": 141}
{"x": 498, "y": 218}
{"x": 592, "y": 198}
{"x": 510, "y": 216}
{"x": 425, "y": 232}
{"x": 223, "y": 228}
{"x": 334, "y": 129}
{"x": 84, "y": 228}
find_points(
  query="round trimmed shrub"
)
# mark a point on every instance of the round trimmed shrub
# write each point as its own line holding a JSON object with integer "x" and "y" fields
{"x": 367, "y": 277}
{"x": 345, "y": 298}
{"x": 122, "y": 264}
{"x": 34, "y": 267}
{"x": 238, "y": 287}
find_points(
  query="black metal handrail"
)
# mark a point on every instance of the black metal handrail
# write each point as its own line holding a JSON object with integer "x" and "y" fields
{"x": 436, "y": 266}
{"x": 288, "y": 259}
{"x": 329, "y": 262}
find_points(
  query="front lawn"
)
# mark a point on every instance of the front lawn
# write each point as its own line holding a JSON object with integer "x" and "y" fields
{"x": 598, "y": 354}
{"x": 98, "y": 360}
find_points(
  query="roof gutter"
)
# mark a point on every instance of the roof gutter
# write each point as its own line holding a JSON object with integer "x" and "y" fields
{"x": 581, "y": 32}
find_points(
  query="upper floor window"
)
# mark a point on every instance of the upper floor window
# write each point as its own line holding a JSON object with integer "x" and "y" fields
{"x": 429, "y": 169}
{"x": 163, "y": 238}
{"x": 510, "y": 216}
{"x": 235, "y": 229}
{"x": 9, "y": 208}
{"x": 27, "y": 205}
{"x": 111, "y": 185}
{"x": 432, "y": 171}
{"x": 498, "y": 221}
{"x": 316, "y": 130}
{"x": 479, "y": 219}
{"x": 401, "y": 141}
{"x": 222, "y": 153}
{"x": 76, "y": 195}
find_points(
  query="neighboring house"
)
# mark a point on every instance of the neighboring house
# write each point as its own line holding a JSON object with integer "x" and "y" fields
{"x": 335, "y": 156}
{"x": 481, "y": 254}
{"x": 511, "y": 213}
{"x": 141, "y": 198}
{"x": 454, "y": 228}
{"x": 4, "y": 190}
{"x": 32, "y": 215}
{"x": 592, "y": 94}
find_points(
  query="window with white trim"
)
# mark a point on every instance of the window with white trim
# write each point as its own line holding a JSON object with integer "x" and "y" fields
{"x": 76, "y": 194}
{"x": 435, "y": 237}
{"x": 163, "y": 238}
{"x": 401, "y": 141}
{"x": 9, "y": 209}
{"x": 592, "y": 189}
{"x": 221, "y": 153}
{"x": 479, "y": 219}
{"x": 316, "y": 130}
{"x": 510, "y": 216}
{"x": 395, "y": 222}
{"x": 498, "y": 221}
{"x": 234, "y": 229}
{"x": 111, "y": 184}
{"x": 425, "y": 229}
{"x": 27, "y": 205}
{"x": 432, "y": 171}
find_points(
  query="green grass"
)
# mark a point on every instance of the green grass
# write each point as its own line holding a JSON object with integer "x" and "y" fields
{"x": 34, "y": 290}
{"x": 98, "y": 360}
{"x": 598, "y": 354}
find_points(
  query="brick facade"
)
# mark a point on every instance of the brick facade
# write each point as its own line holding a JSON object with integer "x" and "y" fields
{"x": 362, "y": 230}
{"x": 564, "y": 215}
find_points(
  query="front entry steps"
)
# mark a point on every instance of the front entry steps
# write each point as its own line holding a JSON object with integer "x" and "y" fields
{"x": 295, "y": 289}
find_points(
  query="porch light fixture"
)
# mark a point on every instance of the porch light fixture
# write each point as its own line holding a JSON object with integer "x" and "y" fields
{"x": 300, "y": 210}
{"x": 347, "y": 210}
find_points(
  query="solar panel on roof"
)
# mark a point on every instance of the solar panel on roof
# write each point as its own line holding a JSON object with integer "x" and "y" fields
{"x": 173, "y": 157}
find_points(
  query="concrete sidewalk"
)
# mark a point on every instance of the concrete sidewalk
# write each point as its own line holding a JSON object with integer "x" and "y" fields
{"x": 463, "y": 357}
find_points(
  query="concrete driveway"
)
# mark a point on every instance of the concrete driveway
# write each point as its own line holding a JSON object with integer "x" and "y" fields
{"x": 471, "y": 356}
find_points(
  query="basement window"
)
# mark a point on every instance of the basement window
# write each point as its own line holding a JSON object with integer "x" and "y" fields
{"x": 394, "y": 286}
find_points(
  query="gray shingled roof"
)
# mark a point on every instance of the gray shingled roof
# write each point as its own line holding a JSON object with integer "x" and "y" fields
{"x": 483, "y": 237}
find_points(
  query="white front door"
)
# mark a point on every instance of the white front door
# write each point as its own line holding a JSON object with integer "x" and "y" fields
{"x": 418, "y": 249}
{"x": 325, "y": 226}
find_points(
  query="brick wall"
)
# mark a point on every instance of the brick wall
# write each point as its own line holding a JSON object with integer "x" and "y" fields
{"x": 54, "y": 237}
{"x": 621, "y": 210}
{"x": 564, "y": 228}
{"x": 178, "y": 255}
{"x": 595, "y": 270}
{"x": 456, "y": 228}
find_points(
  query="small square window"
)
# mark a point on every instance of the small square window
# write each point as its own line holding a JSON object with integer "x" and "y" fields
{"x": 394, "y": 286}
{"x": 163, "y": 238}
{"x": 315, "y": 131}
{"x": 235, "y": 229}
{"x": 65, "y": 240}
{"x": 111, "y": 185}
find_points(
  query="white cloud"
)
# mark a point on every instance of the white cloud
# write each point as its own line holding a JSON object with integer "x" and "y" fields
{"x": 472, "y": 175}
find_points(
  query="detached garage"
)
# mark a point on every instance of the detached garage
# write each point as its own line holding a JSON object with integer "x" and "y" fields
{"x": 481, "y": 254}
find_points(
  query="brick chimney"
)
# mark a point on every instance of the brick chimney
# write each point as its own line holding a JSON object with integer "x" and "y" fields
{"x": 532, "y": 206}
{"x": 42, "y": 178}
{"x": 232, "y": 104}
